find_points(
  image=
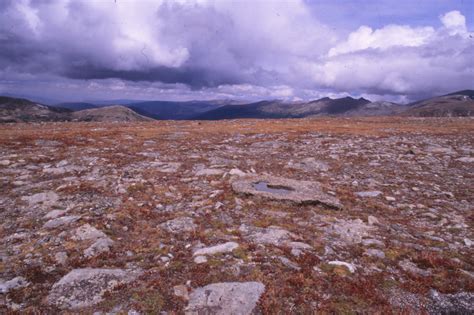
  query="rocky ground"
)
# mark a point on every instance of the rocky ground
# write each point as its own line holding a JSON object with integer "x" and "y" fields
{"x": 238, "y": 217}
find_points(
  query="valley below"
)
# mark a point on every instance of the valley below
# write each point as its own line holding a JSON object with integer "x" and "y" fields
{"x": 327, "y": 215}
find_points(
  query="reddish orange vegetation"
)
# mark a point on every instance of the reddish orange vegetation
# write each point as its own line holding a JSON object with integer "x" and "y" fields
{"x": 425, "y": 225}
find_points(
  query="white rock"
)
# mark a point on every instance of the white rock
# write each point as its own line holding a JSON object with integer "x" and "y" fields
{"x": 349, "y": 266}
{"x": 237, "y": 172}
{"x": 200, "y": 259}
{"x": 369, "y": 194}
{"x": 221, "y": 248}
{"x": 467, "y": 242}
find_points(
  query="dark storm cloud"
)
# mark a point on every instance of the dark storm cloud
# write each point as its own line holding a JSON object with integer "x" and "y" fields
{"x": 205, "y": 45}
{"x": 193, "y": 77}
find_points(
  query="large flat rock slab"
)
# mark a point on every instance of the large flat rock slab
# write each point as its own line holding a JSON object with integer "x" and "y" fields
{"x": 285, "y": 189}
{"x": 225, "y": 298}
{"x": 85, "y": 287}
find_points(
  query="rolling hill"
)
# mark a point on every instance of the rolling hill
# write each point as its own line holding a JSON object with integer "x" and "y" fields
{"x": 455, "y": 104}
{"x": 23, "y": 110}
{"x": 109, "y": 113}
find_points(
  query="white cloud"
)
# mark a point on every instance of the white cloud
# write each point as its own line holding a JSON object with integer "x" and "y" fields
{"x": 455, "y": 22}
{"x": 384, "y": 38}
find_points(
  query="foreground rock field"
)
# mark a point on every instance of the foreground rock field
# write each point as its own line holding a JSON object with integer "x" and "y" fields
{"x": 238, "y": 217}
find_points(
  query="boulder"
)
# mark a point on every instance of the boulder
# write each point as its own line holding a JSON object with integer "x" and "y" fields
{"x": 225, "y": 298}
{"x": 86, "y": 287}
{"x": 285, "y": 189}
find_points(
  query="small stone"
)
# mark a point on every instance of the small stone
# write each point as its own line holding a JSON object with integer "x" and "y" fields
{"x": 87, "y": 232}
{"x": 102, "y": 245}
{"x": 60, "y": 258}
{"x": 288, "y": 263}
{"x": 52, "y": 224}
{"x": 466, "y": 159}
{"x": 372, "y": 220}
{"x": 369, "y": 194}
{"x": 181, "y": 291}
{"x": 178, "y": 225}
{"x": 200, "y": 259}
{"x": 349, "y": 266}
{"x": 54, "y": 214}
{"x": 221, "y": 248}
{"x": 467, "y": 242}
{"x": 413, "y": 269}
{"x": 236, "y": 172}
{"x": 372, "y": 252}
{"x": 389, "y": 198}
{"x": 209, "y": 172}
{"x": 5, "y": 162}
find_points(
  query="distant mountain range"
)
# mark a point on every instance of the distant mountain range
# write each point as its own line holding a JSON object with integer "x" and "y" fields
{"x": 455, "y": 104}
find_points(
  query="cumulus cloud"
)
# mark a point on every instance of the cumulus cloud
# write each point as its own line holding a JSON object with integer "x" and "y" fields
{"x": 399, "y": 59}
{"x": 212, "y": 49}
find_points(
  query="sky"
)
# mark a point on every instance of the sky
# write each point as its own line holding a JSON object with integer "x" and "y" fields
{"x": 246, "y": 50}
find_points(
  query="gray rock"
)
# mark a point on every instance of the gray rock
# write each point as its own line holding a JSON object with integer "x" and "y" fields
{"x": 54, "y": 214}
{"x": 87, "y": 232}
{"x": 54, "y": 223}
{"x": 166, "y": 167}
{"x": 349, "y": 266}
{"x": 309, "y": 165}
{"x": 368, "y": 194}
{"x": 217, "y": 249}
{"x": 372, "y": 220}
{"x": 209, "y": 172}
{"x": 237, "y": 172}
{"x": 413, "y": 269}
{"x": 60, "y": 258}
{"x": 459, "y": 303}
{"x": 86, "y": 287}
{"x": 178, "y": 225}
{"x": 284, "y": 189}
{"x": 225, "y": 298}
{"x": 271, "y": 235}
{"x": 46, "y": 198}
{"x": 181, "y": 291}
{"x": 466, "y": 159}
{"x": 15, "y": 283}
{"x": 350, "y": 231}
{"x": 372, "y": 252}
{"x": 288, "y": 263}
{"x": 102, "y": 245}
{"x": 5, "y": 162}
{"x": 200, "y": 259}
